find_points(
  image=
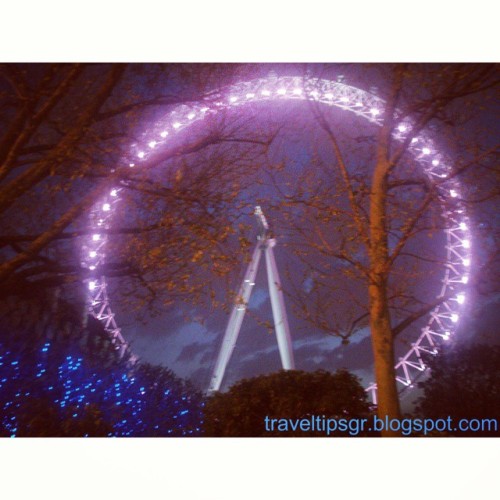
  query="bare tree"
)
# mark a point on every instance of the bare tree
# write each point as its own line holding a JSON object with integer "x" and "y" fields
{"x": 366, "y": 220}
{"x": 67, "y": 132}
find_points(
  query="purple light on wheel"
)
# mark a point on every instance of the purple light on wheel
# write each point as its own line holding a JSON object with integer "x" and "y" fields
{"x": 333, "y": 94}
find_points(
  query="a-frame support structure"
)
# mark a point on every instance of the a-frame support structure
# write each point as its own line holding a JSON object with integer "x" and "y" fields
{"x": 265, "y": 244}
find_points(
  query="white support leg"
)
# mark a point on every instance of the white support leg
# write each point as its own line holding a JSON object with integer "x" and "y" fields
{"x": 235, "y": 320}
{"x": 279, "y": 312}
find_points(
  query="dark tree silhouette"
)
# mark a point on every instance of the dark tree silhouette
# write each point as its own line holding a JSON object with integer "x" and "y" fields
{"x": 464, "y": 383}
{"x": 286, "y": 394}
{"x": 65, "y": 381}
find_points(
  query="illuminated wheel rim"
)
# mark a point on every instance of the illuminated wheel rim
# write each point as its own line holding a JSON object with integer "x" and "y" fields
{"x": 443, "y": 319}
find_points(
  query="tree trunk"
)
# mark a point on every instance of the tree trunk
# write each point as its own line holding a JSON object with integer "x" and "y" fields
{"x": 383, "y": 351}
{"x": 380, "y": 319}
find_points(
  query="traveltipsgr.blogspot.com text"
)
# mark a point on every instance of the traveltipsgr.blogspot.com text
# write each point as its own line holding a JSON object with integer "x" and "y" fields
{"x": 358, "y": 426}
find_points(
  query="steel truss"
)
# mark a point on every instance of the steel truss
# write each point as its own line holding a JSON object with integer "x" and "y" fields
{"x": 442, "y": 320}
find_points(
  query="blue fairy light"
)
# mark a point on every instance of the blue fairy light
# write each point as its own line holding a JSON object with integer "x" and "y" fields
{"x": 135, "y": 405}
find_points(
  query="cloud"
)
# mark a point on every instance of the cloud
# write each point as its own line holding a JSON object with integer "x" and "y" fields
{"x": 190, "y": 348}
{"x": 190, "y": 352}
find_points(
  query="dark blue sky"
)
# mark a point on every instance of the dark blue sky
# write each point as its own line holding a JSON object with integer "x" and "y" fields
{"x": 186, "y": 338}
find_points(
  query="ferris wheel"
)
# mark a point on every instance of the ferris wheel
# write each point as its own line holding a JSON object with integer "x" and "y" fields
{"x": 442, "y": 320}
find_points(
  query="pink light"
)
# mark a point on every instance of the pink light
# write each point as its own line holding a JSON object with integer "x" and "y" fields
{"x": 92, "y": 254}
{"x": 363, "y": 107}
{"x": 460, "y": 298}
{"x": 414, "y": 140}
{"x": 463, "y": 226}
{"x": 92, "y": 285}
{"x": 454, "y": 317}
{"x": 131, "y": 165}
{"x": 96, "y": 237}
{"x": 114, "y": 192}
{"x": 466, "y": 262}
{"x": 465, "y": 279}
{"x": 92, "y": 267}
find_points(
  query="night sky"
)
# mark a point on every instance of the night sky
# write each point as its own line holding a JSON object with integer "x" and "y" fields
{"x": 187, "y": 338}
